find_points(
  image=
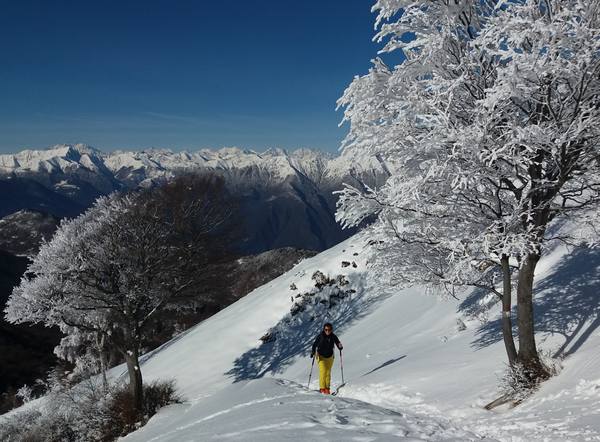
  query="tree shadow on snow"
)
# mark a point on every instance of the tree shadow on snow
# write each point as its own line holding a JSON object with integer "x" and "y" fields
{"x": 567, "y": 303}
{"x": 295, "y": 335}
{"x": 477, "y": 303}
{"x": 385, "y": 364}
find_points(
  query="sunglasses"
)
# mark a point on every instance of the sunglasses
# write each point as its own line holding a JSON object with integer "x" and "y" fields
{"x": 328, "y": 329}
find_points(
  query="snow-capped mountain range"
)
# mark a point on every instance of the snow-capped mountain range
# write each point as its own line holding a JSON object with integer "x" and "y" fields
{"x": 286, "y": 196}
{"x": 130, "y": 167}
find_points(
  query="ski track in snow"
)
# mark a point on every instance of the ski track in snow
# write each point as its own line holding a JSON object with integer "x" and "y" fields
{"x": 304, "y": 415}
{"x": 222, "y": 412}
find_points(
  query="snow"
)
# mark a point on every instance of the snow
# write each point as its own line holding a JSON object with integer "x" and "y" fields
{"x": 275, "y": 410}
{"x": 410, "y": 373}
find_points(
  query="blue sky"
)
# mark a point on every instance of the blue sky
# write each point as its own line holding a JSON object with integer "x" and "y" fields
{"x": 179, "y": 74}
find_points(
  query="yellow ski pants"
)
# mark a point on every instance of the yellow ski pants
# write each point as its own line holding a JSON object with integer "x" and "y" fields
{"x": 325, "y": 365}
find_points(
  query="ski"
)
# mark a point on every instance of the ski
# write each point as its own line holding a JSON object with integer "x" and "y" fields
{"x": 337, "y": 390}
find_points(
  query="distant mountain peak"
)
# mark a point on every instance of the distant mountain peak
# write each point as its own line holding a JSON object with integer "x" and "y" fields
{"x": 276, "y": 152}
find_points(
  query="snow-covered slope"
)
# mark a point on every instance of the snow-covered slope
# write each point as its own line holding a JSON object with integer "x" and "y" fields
{"x": 412, "y": 371}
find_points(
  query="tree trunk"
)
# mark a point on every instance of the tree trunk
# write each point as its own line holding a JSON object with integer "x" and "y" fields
{"x": 528, "y": 355}
{"x": 509, "y": 342}
{"x": 101, "y": 345}
{"x": 135, "y": 378}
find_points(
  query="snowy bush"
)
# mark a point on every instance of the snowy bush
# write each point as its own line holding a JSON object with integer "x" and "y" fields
{"x": 321, "y": 279}
{"x": 121, "y": 415}
{"x": 160, "y": 394}
{"x": 518, "y": 382}
{"x": 86, "y": 412}
{"x": 18, "y": 424}
{"x": 341, "y": 280}
{"x": 25, "y": 393}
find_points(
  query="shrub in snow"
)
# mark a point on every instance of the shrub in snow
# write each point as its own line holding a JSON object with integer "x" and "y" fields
{"x": 519, "y": 382}
{"x": 62, "y": 417}
{"x": 341, "y": 280}
{"x": 20, "y": 426}
{"x": 123, "y": 418}
{"x": 160, "y": 394}
{"x": 320, "y": 279}
{"x": 298, "y": 306}
{"x": 25, "y": 393}
{"x": 86, "y": 412}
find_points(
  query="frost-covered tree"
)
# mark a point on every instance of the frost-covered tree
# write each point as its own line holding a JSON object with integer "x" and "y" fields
{"x": 490, "y": 130}
{"x": 108, "y": 273}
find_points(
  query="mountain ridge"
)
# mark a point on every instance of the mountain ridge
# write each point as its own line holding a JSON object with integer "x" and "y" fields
{"x": 287, "y": 197}
{"x": 163, "y": 163}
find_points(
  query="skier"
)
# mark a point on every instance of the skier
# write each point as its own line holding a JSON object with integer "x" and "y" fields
{"x": 322, "y": 348}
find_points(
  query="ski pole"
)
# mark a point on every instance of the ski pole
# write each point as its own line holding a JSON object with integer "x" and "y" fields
{"x": 310, "y": 375}
{"x": 342, "y": 366}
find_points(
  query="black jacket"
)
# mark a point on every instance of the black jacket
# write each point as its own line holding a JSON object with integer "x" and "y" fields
{"x": 324, "y": 344}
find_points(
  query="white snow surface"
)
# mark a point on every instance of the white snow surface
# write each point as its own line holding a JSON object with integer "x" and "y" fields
{"x": 410, "y": 373}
